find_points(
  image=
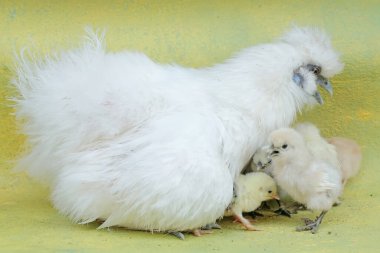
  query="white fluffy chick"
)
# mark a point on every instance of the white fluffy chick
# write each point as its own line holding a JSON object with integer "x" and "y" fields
{"x": 317, "y": 145}
{"x": 250, "y": 190}
{"x": 349, "y": 156}
{"x": 149, "y": 146}
{"x": 307, "y": 179}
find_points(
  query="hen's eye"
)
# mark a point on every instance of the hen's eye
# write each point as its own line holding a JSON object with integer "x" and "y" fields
{"x": 317, "y": 70}
{"x": 314, "y": 68}
{"x": 284, "y": 146}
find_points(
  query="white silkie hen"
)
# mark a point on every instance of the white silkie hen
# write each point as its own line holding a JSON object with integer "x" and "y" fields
{"x": 148, "y": 146}
{"x": 250, "y": 190}
{"x": 307, "y": 179}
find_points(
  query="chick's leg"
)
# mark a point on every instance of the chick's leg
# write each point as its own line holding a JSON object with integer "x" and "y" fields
{"x": 312, "y": 225}
{"x": 245, "y": 222}
{"x": 281, "y": 210}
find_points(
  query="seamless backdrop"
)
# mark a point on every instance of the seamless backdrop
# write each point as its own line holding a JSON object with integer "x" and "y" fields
{"x": 196, "y": 34}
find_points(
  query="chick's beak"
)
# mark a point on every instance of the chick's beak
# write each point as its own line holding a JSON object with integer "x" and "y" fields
{"x": 275, "y": 196}
{"x": 325, "y": 84}
{"x": 274, "y": 152}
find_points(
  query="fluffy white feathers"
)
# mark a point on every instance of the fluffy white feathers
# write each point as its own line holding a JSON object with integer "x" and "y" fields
{"x": 317, "y": 145}
{"x": 149, "y": 146}
{"x": 307, "y": 179}
{"x": 349, "y": 156}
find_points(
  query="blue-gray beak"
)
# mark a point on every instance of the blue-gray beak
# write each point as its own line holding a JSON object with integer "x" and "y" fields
{"x": 325, "y": 84}
{"x": 318, "y": 97}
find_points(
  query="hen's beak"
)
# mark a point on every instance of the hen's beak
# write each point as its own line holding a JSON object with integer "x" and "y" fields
{"x": 318, "y": 97}
{"x": 325, "y": 84}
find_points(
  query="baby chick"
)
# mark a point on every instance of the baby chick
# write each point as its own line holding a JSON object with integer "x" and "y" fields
{"x": 307, "y": 179}
{"x": 317, "y": 145}
{"x": 250, "y": 190}
{"x": 349, "y": 156}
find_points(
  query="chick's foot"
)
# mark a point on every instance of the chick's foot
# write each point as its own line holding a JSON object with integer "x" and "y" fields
{"x": 283, "y": 212}
{"x": 254, "y": 214}
{"x": 311, "y": 225}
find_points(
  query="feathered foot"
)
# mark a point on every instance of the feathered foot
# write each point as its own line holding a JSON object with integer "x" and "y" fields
{"x": 177, "y": 234}
{"x": 211, "y": 226}
{"x": 281, "y": 210}
{"x": 255, "y": 214}
{"x": 311, "y": 225}
{"x": 197, "y": 232}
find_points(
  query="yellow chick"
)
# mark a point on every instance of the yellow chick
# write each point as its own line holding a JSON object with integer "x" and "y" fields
{"x": 250, "y": 190}
{"x": 349, "y": 156}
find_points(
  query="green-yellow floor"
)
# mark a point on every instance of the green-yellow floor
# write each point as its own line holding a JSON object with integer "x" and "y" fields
{"x": 200, "y": 33}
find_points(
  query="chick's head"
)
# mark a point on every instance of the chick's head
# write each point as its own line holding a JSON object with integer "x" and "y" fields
{"x": 287, "y": 145}
{"x": 267, "y": 187}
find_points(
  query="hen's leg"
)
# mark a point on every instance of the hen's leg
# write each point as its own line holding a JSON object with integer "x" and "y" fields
{"x": 211, "y": 226}
{"x": 177, "y": 234}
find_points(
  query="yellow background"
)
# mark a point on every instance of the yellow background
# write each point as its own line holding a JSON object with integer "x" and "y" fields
{"x": 199, "y": 33}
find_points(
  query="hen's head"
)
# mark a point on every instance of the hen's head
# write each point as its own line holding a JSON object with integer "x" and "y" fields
{"x": 319, "y": 60}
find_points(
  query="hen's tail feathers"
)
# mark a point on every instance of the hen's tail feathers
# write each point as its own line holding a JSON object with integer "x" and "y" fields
{"x": 39, "y": 103}
{"x": 29, "y": 65}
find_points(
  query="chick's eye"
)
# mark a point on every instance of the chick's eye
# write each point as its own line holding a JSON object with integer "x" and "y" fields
{"x": 269, "y": 191}
{"x": 284, "y": 146}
